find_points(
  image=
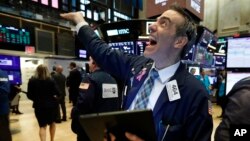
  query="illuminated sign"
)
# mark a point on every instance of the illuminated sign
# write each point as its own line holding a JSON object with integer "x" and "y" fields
{"x": 14, "y": 35}
{"x": 115, "y": 32}
{"x": 29, "y": 49}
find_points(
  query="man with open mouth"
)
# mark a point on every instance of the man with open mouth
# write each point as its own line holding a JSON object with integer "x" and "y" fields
{"x": 158, "y": 80}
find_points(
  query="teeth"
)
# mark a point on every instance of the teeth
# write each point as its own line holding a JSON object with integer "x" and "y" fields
{"x": 151, "y": 38}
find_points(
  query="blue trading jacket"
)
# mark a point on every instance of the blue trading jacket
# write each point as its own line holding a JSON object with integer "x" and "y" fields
{"x": 4, "y": 92}
{"x": 185, "y": 119}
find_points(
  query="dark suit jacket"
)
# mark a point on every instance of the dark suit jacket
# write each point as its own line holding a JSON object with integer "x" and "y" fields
{"x": 91, "y": 100}
{"x": 188, "y": 118}
{"x": 43, "y": 93}
{"x": 237, "y": 111}
{"x": 60, "y": 80}
{"x": 73, "y": 81}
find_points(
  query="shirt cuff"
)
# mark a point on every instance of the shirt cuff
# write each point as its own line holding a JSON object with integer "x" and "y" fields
{"x": 79, "y": 25}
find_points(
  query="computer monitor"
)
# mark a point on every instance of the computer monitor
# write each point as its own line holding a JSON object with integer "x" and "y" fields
{"x": 13, "y": 35}
{"x": 127, "y": 46}
{"x": 140, "y": 47}
{"x": 9, "y": 62}
{"x": 201, "y": 55}
{"x": 196, "y": 68}
{"x": 220, "y": 61}
{"x": 238, "y": 52}
{"x": 14, "y": 76}
{"x": 233, "y": 77}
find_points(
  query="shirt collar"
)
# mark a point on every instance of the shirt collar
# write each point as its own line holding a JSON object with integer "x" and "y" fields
{"x": 166, "y": 73}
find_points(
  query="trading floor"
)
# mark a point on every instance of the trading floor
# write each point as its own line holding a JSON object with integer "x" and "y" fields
{"x": 24, "y": 127}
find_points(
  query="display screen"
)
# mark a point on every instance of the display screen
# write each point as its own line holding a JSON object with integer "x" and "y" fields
{"x": 65, "y": 44}
{"x": 14, "y": 35}
{"x": 195, "y": 69}
{"x": 54, "y": 3}
{"x": 219, "y": 61}
{"x": 233, "y": 78}
{"x": 190, "y": 55}
{"x": 238, "y": 52}
{"x": 45, "y": 2}
{"x": 82, "y": 53}
{"x": 209, "y": 59}
{"x": 205, "y": 38}
{"x": 221, "y": 45}
{"x": 140, "y": 47}
{"x": 9, "y": 62}
{"x": 127, "y": 47}
{"x": 45, "y": 41}
{"x": 201, "y": 55}
{"x": 14, "y": 76}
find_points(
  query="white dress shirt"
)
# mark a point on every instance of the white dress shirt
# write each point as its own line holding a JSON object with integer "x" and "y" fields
{"x": 164, "y": 76}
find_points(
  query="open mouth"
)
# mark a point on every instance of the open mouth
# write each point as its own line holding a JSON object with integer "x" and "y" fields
{"x": 152, "y": 42}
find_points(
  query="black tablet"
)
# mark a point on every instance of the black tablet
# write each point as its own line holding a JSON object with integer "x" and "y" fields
{"x": 139, "y": 122}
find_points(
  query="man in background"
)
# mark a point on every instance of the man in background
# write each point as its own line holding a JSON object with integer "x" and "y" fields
{"x": 203, "y": 77}
{"x": 98, "y": 93}
{"x": 5, "y": 134}
{"x": 53, "y": 71}
{"x": 192, "y": 71}
{"x": 60, "y": 80}
{"x": 73, "y": 82}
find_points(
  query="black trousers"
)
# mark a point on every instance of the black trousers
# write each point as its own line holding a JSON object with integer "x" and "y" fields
{"x": 63, "y": 107}
{"x": 5, "y": 134}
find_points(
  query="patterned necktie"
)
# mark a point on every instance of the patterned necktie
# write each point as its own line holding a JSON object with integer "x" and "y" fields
{"x": 143, "y": 97}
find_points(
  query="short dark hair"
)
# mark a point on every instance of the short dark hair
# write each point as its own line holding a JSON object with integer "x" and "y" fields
{"x": 188, "y": 28}
{"x": 54, "y": 68}
{"x": 73, "y": 64}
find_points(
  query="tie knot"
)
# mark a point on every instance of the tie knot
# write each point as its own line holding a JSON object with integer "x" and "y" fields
{"x": 154, "y": 73}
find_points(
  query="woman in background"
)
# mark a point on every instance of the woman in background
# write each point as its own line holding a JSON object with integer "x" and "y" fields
{"x": 43, "y": 92}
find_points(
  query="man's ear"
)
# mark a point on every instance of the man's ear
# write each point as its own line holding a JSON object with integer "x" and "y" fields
{"x": 180, "y": 42}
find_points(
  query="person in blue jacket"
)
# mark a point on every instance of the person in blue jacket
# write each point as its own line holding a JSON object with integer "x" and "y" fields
{"x": 179, "y": 102}
{"x": 5, "y": 134}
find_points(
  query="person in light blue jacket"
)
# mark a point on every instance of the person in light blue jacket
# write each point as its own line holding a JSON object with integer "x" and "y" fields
{"x": 204, "y": 79}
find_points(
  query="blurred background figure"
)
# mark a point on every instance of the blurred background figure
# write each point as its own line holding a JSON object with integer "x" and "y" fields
{"x": 192, "y": 71}
{"x": 236, "y": 112}
{"x": 15, "y": 98}
{"x": 60, "y": 80}
{"x": 204, "y": 79}
{"x": 5, "y": 134}
{"x": 73, "y": 81}
{"x": 220, "y": 92}
{"x": 44, "y": 93}
{"x": 53, "y": 71}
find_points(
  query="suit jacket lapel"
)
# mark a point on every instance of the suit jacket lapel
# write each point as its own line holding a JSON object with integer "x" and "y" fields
{"x": 179, "y": 77}
{"x": 138, "y": 80}
{"x": 161, "y": 100}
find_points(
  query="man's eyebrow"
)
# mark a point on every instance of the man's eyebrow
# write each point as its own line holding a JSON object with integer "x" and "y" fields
{"x": 164, "y": 18}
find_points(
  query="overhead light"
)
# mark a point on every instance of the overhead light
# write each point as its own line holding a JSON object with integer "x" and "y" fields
{"x": 212, "y": 47}
{"x": 143, "y": 37}
{"x": 221, "y": 54}
{"x": 85, "y": 2}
